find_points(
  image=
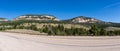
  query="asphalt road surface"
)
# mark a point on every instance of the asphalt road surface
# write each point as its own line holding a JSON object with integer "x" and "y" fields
{"x": 24, "y": 42}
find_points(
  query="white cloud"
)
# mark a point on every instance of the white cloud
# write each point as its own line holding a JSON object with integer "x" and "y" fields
{"x": 111, "y": 5}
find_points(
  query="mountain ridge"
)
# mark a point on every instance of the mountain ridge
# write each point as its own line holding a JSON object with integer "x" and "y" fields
{"x": 77, "y": 19}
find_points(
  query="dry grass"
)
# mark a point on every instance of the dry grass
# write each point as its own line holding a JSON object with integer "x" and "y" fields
{"x": 25, "y": 31}
{"x": 65, "y": 25}
{"x": 112, "y": 28}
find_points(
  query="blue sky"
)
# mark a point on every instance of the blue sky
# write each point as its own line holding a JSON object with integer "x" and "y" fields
{"x": 106, "y": 10}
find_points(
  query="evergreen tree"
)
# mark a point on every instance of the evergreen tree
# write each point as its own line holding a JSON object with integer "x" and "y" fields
{"x": 50, "y": 33}
{"x": 33, "y": 27}
{"x": 103, "y": 32}
{"x": 94, "y": 30}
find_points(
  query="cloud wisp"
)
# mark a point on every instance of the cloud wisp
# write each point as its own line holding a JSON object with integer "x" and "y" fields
{"x": 111, "y": 5}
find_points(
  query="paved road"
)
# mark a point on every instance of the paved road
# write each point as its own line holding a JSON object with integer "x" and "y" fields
{"x": 24, "y": 42}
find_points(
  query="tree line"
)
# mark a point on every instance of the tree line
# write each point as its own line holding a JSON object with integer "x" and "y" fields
{"x": 93, "y": 31}
{"x": 62, "y": 31}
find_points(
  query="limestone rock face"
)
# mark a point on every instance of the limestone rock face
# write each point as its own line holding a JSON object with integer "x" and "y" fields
{"x": 36, "y": 17}
{"x": 3, "y": 19}
{"x": 82, "y": 19}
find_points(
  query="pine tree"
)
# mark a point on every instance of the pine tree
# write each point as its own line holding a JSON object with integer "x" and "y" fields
{"x": 94, "y": 30}
{"x": 103, "y": 32}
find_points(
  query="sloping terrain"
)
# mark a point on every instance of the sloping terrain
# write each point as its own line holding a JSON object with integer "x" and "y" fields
{"x": 112, "y": 28}
{"x": 25, "y": 31}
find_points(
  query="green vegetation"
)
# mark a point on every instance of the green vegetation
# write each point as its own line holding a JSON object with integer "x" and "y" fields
{"x": 93, "y": 30}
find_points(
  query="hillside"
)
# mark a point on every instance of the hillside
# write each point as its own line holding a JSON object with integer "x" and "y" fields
{"x": 78, "y": 26}
{"x": 80, "y": 20}
{"x": 83, "y": 19}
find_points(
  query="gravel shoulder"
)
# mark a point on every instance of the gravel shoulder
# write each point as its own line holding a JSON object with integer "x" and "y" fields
{"x": 25, "y": 42}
